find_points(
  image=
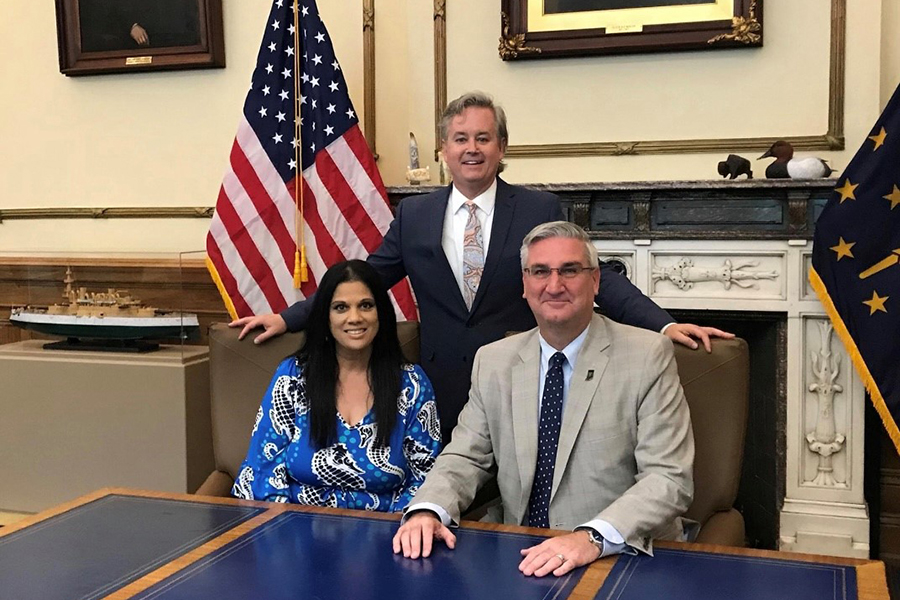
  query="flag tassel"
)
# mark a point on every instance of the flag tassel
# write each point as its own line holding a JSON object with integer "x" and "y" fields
{"x": 301, "y": 272}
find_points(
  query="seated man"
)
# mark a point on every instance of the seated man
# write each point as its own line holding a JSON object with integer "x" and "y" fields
{"x": 584, "y": 420}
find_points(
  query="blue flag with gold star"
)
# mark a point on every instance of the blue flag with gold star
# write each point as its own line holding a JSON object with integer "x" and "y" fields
{"x": 856, "y": 263}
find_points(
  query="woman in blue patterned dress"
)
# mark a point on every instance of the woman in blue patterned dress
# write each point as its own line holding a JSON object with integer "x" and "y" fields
{"x": 346, "y": 422}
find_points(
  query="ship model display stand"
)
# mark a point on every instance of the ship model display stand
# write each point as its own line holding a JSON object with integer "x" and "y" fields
{"x": 72, "y": 422}
{"x": 110, "y": 321}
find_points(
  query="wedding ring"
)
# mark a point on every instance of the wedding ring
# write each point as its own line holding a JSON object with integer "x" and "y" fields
{"x": 561, "y": 557}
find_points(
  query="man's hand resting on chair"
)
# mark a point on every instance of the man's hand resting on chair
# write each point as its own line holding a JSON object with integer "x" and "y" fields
{"x": 272, "y": 325}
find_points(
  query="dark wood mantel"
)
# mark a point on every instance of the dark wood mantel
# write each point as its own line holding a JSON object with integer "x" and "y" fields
{"x": 713, "y": 209}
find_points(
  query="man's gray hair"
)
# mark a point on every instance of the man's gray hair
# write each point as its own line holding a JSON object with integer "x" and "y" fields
{"x": 476, "y": 100}
{"x": 559, "y": 229}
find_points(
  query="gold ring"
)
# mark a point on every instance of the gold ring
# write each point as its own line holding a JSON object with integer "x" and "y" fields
{"x": 561, "y": 557}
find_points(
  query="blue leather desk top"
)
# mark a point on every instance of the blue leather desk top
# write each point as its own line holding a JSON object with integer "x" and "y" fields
{"x": 683, "y": 575}
{"x": 302, "y": 555}
{"x": 96, "y": 548}
{"x": 117, "y": 537}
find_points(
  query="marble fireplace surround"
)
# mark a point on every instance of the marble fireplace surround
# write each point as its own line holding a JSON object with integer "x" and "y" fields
{"x": 743, "y": 247}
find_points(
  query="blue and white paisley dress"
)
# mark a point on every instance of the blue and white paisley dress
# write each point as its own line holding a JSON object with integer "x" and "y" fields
{"x": 282, "y": 465}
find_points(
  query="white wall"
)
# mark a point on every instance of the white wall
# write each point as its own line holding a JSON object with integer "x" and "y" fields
{"x": 162, "y": 139}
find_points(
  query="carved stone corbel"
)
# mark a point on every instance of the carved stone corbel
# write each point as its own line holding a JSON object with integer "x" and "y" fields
{"x": 824, "y": 440}
{"x": 684, "y": 274}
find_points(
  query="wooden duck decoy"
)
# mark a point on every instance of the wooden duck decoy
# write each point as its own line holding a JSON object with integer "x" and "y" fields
{"x": 788, "y": 167}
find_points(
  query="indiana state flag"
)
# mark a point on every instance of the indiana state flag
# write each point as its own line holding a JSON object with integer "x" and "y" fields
{"x": 856, "y": 263}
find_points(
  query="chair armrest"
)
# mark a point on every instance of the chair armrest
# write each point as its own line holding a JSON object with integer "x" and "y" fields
{"x": 217, "y": 484}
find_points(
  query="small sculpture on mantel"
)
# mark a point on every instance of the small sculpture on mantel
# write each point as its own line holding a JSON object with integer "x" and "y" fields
{"x": 416, "y": 174}
{"x": 735, "y": 165}
{"x": 788, "y": 167}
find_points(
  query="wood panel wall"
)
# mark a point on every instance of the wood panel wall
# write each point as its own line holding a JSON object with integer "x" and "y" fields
{"x": 167, "y": 284}
{"x": 889, "y": 509}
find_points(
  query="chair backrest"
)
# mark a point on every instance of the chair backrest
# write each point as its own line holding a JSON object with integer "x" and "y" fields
{"x": 239, "y": 373}
{"x": 716, "y": 386}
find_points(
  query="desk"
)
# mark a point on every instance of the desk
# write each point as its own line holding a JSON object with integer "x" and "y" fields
{"x": 121, "y": 544}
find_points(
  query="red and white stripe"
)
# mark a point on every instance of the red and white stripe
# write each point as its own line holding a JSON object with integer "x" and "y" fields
{"x": 251, "y": 240}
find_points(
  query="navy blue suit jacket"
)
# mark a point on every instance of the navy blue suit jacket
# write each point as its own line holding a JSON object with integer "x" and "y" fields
{"x": 450, "y": 334}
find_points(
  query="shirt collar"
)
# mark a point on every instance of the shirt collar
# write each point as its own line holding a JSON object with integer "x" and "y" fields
{"x": 571, "y": 351}
{"x": 485, "y": 201}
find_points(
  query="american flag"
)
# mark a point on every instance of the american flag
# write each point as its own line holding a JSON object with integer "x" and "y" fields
{"x": 252, "y": 238}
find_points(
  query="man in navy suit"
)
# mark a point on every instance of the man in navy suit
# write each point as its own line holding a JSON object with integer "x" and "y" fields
{"x": 463, "y": 306}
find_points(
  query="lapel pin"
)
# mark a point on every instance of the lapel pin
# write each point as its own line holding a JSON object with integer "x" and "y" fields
{"x": 590, "y": 375}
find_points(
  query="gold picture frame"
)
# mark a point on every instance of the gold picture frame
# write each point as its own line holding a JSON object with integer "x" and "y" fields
{"x": 536, "y": 29}
{"x": 832, "y": 139}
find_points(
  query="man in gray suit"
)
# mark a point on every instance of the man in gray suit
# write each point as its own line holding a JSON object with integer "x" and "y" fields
{"x": 584, "y": 420}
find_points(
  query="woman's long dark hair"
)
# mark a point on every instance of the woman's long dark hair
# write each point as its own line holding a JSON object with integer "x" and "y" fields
{"x": 318, "y": 356}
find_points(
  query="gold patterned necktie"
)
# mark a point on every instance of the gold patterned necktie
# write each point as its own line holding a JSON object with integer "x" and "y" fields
{"x": 473, "y": 255}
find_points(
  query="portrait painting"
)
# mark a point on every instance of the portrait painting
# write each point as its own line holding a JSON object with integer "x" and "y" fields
{"x": 135, "y": 24}
{"x": 536, "y": 29}
{"x": 110, "y": 36}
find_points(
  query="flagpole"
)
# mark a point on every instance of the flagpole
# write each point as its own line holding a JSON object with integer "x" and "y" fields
{"x": 301, "y": 273}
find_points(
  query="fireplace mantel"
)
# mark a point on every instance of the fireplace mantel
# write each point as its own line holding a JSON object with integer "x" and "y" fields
{"x": 744, "y": 247}
{"x": 767, "y": 209}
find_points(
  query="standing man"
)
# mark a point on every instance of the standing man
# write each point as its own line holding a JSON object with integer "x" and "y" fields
{"x": 583, "y": 419}
{"x": 460, "y": 248}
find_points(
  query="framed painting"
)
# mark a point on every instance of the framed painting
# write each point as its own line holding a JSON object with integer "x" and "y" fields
{"x": 120, "y": 36}
{"x": 533, "y": 29}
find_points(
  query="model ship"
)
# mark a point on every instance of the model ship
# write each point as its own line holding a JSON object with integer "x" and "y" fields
{"x": 110, "y": 315}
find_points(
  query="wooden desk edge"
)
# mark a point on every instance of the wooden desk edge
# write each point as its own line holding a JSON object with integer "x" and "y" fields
{"x": 871, "y": 579}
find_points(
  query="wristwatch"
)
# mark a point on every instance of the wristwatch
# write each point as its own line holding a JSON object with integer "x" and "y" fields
{"x": 595, "y": 538}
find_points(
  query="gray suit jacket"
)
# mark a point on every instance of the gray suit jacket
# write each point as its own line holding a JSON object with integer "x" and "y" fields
{"x": 626, "y": 449}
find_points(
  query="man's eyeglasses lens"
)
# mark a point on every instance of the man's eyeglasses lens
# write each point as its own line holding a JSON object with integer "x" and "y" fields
{"x": 566, "y": 271}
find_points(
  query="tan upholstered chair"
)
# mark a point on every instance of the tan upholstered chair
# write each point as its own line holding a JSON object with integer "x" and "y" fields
{"x": 715, "y": 385}
{"x": 717, "y": 390}
{"x": 239, "y": 373}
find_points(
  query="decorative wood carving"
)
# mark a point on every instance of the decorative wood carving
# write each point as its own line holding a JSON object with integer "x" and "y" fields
{"x": 440, "y": 69}
{"x": 369, "y": 73}
{"x": 745, "y": 30}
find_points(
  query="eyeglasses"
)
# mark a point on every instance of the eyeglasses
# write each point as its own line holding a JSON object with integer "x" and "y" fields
{"x": 565, "y": 271}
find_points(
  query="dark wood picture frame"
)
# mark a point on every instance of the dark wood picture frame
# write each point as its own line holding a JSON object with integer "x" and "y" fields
{"x": 517, "y": 42}
{"x": 103, "y": 42}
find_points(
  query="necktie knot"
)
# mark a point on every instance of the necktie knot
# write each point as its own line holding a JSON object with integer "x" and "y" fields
{"x": 557, "y": 360}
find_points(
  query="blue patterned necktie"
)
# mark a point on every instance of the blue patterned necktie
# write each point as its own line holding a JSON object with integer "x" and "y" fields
{"x": 548, "y": 441}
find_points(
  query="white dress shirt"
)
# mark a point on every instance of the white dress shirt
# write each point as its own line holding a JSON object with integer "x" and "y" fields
{"x": 455, "y": 217}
